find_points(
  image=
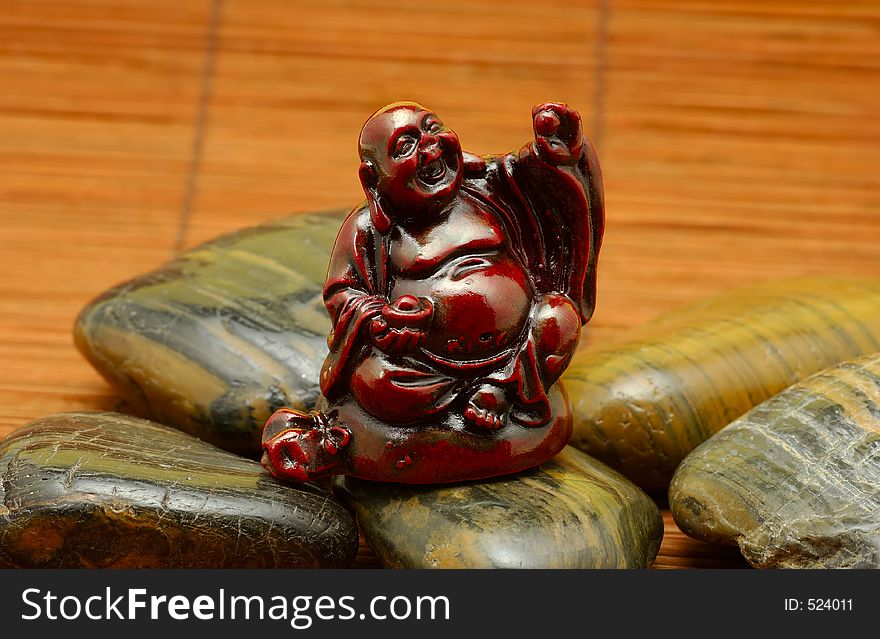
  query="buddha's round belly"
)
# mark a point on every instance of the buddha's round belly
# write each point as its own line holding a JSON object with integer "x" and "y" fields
{"x": 481, "y": 304}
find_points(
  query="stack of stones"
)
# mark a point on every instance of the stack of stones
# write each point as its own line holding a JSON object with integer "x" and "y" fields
{"x": 204, "y": 349}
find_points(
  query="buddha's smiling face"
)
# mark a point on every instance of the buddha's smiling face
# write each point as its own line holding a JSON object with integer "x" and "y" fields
{"x": 417, "y": 160}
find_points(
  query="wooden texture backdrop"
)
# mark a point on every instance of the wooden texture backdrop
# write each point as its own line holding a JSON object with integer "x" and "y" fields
{"x": 740, "y": 141}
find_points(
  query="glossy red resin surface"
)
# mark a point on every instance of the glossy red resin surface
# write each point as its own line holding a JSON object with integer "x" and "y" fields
{"x": 457, "y": 292}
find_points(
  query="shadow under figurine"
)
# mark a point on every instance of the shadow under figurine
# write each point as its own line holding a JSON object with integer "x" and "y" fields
{"x": 456, "y": 292}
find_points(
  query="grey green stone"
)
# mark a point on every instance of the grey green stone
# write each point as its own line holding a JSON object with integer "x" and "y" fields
{"x": 105, "y": 490}
{"x": 218, "y": 339}
{"x": 643, "y": 404}
{"x": 571, "y": 512}
{"x": 795, "y": 483}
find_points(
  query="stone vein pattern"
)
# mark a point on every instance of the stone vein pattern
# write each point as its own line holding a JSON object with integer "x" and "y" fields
{"x": 217, "y": 340}
{"x": 796, "y": 481}
{"x": 103, "y": 490}
{"x": 642, "y": 405}
{"x": 571, "y": 512}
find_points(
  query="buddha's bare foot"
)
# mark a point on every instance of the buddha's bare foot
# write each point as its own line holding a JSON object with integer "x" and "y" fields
{"x": 487, "y": 408}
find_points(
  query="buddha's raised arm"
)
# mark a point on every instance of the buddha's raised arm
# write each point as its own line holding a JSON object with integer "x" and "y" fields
{"x": 551, "y": 195}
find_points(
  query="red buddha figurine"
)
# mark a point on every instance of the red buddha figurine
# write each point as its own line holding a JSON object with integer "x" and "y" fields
{"x": 456, "y": 292}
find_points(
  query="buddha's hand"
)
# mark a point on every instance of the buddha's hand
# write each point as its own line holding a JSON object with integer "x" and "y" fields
{"x": 402, "y": 325}
{"x": 559, "y": 136}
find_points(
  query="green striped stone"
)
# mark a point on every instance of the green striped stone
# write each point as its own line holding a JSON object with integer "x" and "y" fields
{"x": 215, "y": 341}
{"x": 796, "y": 481}
{"x": 642, "y": 405}
{"x": 105, "y": 490}
{"x": 571, "y": 512}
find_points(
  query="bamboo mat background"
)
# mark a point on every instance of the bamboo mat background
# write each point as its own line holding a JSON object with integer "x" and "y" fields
{"x": 740, "y": 141}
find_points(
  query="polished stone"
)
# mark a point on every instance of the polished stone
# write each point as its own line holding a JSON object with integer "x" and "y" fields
{"x": 571, "y": 512}
{"x": 215, "y": 341}
{"x": 110, "y": 491}
{"x": 642, "y": 405}
{"x": 796, "y": 481}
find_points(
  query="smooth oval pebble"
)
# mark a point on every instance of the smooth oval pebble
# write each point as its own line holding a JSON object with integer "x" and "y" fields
{"x": 641, "y": 406}
{"x": 111, "y": 491}
{"x": 218, "y": 339}
{"x": 571, "y": 512}
{"x": 796, "y": 481}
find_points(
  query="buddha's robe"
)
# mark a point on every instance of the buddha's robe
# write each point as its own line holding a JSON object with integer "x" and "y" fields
{"x": 511, "y": 281}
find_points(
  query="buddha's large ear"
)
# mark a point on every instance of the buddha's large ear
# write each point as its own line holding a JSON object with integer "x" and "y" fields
{"x": 370, "y": 181}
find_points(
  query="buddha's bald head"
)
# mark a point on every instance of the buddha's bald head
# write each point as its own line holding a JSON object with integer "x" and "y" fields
{"x": 409, "y": 158}
{"x": 384, "y": 123}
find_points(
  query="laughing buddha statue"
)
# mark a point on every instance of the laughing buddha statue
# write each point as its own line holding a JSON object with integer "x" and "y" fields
{"x": 456, "y": 292}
